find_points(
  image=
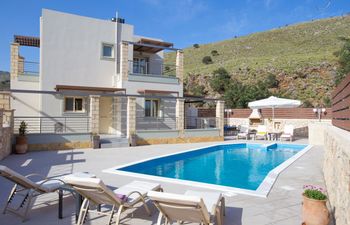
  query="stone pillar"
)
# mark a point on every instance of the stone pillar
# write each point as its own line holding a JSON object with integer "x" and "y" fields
{"x": 94, "y": 114}
{"x": 14, "y": 60}
{"x": 5, "y": 100}
{"x": 117, "y": 115}
{"x": 220, "y": 120}
{"x": 180, "y": 116}
{"x": 180, "y": 65}
{"x": 131, "y": 117}
{"x": 1, "y": 120}
{"x": 124, "y": 60}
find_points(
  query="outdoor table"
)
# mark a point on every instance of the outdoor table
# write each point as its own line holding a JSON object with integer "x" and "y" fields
{"x": 273, "y": 135}
{"x": 76, "y": 195}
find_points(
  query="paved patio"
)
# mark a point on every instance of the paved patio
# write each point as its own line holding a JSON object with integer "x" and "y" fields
{"x": 282, "y": 206}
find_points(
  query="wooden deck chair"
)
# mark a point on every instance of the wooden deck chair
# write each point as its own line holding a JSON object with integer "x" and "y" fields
{"x": 190, "y": 207}
{"x": 28, "y": 189}
{"x": 261, "y": 132}
{"x": 96, "y": 192}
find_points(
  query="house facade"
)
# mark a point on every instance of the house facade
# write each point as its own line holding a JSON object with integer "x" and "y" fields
{"x": 84, "y": 62}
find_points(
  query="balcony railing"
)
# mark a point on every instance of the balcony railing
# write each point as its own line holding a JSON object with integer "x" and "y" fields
{"x": 28, "y": 68}
{"x": 155, "y": 123}
{"x": 193, "y": 122}
{"x": 38, "y": 124}
{"x": 152, "y": 68}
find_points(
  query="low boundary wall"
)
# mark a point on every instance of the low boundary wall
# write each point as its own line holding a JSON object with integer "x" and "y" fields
{"x": 150, "y": 137}
{"x": 336, "y": 171}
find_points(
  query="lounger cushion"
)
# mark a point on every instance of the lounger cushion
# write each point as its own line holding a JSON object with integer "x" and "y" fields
{"x": 140, "y": 186}
{"x": 50, "y": 185}
{"x": 211, "y": 199}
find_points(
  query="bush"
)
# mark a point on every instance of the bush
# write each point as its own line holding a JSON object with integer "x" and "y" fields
{"x": 214, "y": 53}
{"x": 344, "y": 61}
{"x": 195, "y": 45}
{"x": 314, "y": 192}
{"x": 207, "y": 60}
{"x": 271, "y": 81}
{"x": 220, "y": 79}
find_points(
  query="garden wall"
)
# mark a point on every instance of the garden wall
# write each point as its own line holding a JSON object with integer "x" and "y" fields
{"x": 5, "y": 137}
{"x": 337, "y": 172}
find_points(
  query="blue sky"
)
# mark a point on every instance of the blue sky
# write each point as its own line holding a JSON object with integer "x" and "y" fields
{"x": 183, "y": 22}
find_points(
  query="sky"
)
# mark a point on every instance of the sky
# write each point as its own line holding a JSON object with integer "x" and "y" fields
{"x": 182, "y": 22}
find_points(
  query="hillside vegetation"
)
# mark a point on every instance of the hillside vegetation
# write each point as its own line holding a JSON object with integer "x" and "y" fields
{"x": 300, "y": 56}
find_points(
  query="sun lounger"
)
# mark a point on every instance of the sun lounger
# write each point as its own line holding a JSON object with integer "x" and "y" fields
{"x": 243, "y": 132}
{"x": 96, "y": 192}
{"x": 193, "y": 206}
{"x": 28, "y": 189}
{"x": 261, "y": 132}
{"x": 288, "y": 132}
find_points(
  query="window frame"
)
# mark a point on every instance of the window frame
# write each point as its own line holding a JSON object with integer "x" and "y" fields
{"x": 103, "y": 44}
{"x": 158, "y": 112}
{"x": 83, "y": 110}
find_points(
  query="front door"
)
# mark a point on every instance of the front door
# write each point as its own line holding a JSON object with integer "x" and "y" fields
{"x": 106, "y": 115}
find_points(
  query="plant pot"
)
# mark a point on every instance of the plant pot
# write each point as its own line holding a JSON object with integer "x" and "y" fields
{"x": 315, "y": 212}
{"x": 133, "y": 140}
{"x": 96, "y": 141}
{"x": 21, "y": 145}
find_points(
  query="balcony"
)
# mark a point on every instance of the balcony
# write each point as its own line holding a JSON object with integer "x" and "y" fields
{"x": 152, "y": 71}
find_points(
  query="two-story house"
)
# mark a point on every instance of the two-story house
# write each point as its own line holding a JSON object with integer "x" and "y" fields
{"x": 87, "y": 55}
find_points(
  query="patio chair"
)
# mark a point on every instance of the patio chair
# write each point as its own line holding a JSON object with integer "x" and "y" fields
{"x": 193, "y": 206}
{"x": 261, "y": 132}
{"x": 28, "y": 189}
{"x": 96, "y": 192}
{"x": 288, "y": 133}
{"x": 243, "y": 132}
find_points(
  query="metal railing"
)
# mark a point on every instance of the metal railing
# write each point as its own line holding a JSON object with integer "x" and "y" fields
{"x": 193, "y": 122}
{"x": 28, "y": 68}
{"x": 152, "y": 68}
{"x": 60, "y": 124}
{"x": 155, "y": 123}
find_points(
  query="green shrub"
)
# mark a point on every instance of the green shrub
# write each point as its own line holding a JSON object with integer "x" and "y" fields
{"x": 315, "y": 194}
{"x": 22, "y": 130}
{"x": 195, "y": 45}
{"x": 214, "y": 53}
{"x": 207, "y": 60}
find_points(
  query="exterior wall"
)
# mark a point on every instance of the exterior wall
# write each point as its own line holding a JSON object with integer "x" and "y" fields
{"x": 5, "y": 136}
{"x": 173, "y": 136}
{"x": 25, "y": 104}
{"x": 336, "y": 169}
{"x": 316, "y": 132}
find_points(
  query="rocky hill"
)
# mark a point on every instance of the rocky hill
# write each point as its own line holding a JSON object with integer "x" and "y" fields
{"x": 300, "y": 56}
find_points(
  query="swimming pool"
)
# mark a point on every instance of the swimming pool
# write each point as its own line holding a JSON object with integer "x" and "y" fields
{"x": 237, "y": 166}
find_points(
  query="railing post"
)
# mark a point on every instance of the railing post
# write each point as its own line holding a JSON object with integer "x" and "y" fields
{"x": 65, "y": 124}
{"x": 40, "y": 124}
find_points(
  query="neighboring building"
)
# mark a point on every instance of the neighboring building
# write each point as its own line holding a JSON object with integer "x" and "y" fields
{"x": 81, "y": 54}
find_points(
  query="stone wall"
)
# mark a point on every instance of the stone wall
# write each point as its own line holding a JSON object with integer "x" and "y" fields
{"x": 5, "y": 137}
{"x": 336, "y": 171}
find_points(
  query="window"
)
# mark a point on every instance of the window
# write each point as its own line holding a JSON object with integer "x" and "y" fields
{"x": 140, "y": 65}
{"x": 73, "y": 104}
{"x": 151, "y": 108}
{"x": 107, "y": 51}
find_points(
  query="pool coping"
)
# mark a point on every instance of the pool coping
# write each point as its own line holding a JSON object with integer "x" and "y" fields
{"x": 262, "y": 191}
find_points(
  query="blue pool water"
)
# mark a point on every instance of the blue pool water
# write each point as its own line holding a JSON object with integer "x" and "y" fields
{"x": 234, "y": 165}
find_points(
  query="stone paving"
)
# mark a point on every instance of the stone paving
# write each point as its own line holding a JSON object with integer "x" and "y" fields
{"x": 282, "y": 206}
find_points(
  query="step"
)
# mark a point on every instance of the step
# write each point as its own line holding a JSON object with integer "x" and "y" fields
{"x": 114, "y": 142}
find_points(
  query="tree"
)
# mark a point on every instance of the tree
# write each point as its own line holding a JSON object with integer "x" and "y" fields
{"x": 207, "y": 60}
{"x": 220, "y": 79}
{"x": 344, "y": 60}
{"x": 195, "y": 45}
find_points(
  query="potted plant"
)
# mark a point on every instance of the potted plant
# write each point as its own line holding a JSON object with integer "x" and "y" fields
{"x": 21, "y": 139}
{"x": 95, "y": 141}
{"x": 314, "y": 211}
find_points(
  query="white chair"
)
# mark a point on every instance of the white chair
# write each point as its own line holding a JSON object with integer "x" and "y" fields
{"x": 193, "y": 206}
{"x": 288, "y": 133}
{"x": 243, "y": 132}
{"x": 261, "y": 132}
{"x": 96, "y": 192}
{"x": 28, "y": 189}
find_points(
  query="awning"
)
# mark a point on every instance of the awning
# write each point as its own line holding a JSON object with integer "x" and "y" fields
{"x": 86, "y": 88}
{"x": 27, "y": 41}
{"x": 151, "y": 46}
{"x": 145, "y": 92}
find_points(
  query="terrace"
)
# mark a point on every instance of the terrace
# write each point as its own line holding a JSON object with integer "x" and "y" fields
{"x": 281, "y": 207}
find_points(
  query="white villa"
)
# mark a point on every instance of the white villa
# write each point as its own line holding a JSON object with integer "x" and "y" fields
{"x": 80, "y": 54}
